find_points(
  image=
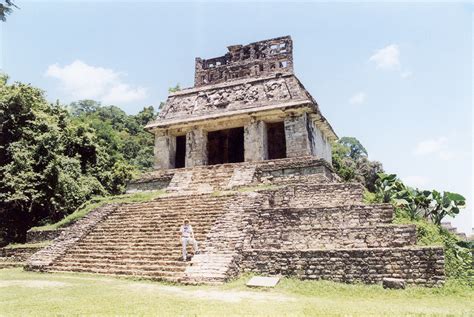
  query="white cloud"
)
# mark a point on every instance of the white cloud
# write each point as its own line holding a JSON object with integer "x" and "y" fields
{"x": 387, "y": 58}
{"x": 406, "y": 74}
{"x": 434, "y": 147}
{"x": 82, "y": 81}
{"x": 358, "y": 98}
{"x": 122, "y": 93}
{"x": 415, "y": 181}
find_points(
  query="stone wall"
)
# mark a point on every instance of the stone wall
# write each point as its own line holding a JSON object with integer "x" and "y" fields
{"x": 255, "y": 59}
{"x": 17, "y": 254}
{"x": 320, "y": 145}
{"x": 255, "y": 141}
{"x": 164, "y": 150}
{"x": 340, "y": 216}
{"x": 296, "y": 134}
{"x": 274, "y": 235}
{"x": 196, "y": 148}
{"x": 316, "y": 195}
{"x": 43, "y": 235}
{"x": 312, "y": 171}
{"x": 422, "y": 265}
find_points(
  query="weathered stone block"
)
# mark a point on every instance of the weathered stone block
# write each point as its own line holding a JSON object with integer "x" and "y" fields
{"x": 396, "y": 283}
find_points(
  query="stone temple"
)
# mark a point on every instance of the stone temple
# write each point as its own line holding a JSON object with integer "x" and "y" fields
{"x": 245, "y": 106}
{"x": 245, "y": 154}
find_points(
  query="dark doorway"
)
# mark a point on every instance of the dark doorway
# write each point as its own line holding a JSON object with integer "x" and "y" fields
{"x": 225, "y": 146}
{"x": 180, "y": 158}
{"x": 276, "y": 141}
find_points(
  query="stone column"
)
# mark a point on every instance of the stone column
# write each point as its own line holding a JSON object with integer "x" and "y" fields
{"x": 164, "y": 150}
{"x": 255, "y": 141}
{"x": 196, "y": 148}
{"x": 296, "y": 135}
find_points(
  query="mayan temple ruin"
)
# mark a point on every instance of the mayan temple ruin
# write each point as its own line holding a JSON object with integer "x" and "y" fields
{"x": 245, "y": 154}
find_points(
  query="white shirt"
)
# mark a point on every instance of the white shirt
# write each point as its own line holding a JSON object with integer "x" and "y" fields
{"x": 186, "y": 231}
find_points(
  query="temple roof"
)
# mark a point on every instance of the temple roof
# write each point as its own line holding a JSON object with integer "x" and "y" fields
{"x": 251, "y": 80}
{"x": 238, "y": 97}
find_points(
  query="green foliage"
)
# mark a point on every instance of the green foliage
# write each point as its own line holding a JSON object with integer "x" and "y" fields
{"x": 369, "y": 197}
{"x": 458, "y": 259}
{"x": 121, "y": 135}
{"x": 356, "y": 149}
{"x": 389, "y": 188}
{"x": 418, "y": 203}
{"x": 444, "y": 205}
{"x": 6, "y": 8}
{"x": 349, "y": 159}
{"x": 343, "y": 165}
{"x": 426, "y": 209}
{"x": 174, "y": 89}
{"x": 54, "y": 158}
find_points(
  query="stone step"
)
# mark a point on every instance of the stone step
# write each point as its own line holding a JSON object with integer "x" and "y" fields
{"x": 143, "y": 239}
{"x": 171, "y": 276}
{"x": 159, "y": 219}
{"x": 143, "y": 223}
{"x": 163, "y": 244}
{"x": 79, "y": 255}
{"x": 303, "y": 237}
{"x": 157, "y": 235}
{"x": 151, "y": 234}
{"x": 96, "y": 257}
{"x": 128, "y": 265}
{"x": 340, "y": 216}
{"x": 127, "y": 252}
{"x": 11, "y": 264}
{"x": 157, "y": 259}
{"x": 142, "y": 246}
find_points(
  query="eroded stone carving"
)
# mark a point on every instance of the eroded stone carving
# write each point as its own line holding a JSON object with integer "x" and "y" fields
{"x": 230, "y": 98}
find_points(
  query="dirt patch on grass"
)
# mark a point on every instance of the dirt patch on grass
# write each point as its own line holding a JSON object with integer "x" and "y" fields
{"x": 217, "y": 295}
{"x": 33, "y": 283}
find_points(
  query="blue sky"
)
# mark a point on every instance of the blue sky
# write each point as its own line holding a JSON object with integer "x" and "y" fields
{"x": 397, "y": 76}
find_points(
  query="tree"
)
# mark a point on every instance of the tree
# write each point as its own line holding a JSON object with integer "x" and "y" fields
{"x": 350, "y": 161}
{"x": 51, "y": 161}
{"x": 357, "y": 150}
{"x": 6, "y": 8}
{"x": 174, "y": 89}
{"x": 121, "y": 135}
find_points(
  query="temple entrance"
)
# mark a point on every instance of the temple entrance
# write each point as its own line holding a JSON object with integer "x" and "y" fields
{"x": 180, "y": 156}
{"x": 225, "y": 146}
{"x": 276, "y": 141}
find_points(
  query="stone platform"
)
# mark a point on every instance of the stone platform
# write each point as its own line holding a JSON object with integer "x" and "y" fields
{"x": 290, "y": 217}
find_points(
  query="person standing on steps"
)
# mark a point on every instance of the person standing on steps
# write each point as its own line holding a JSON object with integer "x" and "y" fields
{"x": 187, "y": 237}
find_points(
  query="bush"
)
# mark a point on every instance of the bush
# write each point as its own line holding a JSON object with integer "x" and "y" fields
{"x": 458, "y": 260}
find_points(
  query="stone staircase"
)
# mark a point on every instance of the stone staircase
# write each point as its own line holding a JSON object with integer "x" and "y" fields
{"x": 142, "y": 239}
{"x": 206, "y": 179}
{"x": 203, "y": 180}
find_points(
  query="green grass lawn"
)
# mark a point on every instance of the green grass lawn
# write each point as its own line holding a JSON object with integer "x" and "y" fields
{"x": 42, "y": 294}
